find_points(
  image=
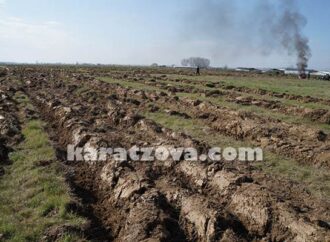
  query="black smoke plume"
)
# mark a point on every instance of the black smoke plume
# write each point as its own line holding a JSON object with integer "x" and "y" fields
{"x": 265, "y": 26}
{"x": 287, "y": 28}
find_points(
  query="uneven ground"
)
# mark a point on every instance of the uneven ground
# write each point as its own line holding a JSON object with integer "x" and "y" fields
{"x": 284, "y": 198}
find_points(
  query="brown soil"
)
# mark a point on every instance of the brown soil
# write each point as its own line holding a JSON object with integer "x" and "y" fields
{"x": 169, "y": 201}
{"x": 10, "y": 133}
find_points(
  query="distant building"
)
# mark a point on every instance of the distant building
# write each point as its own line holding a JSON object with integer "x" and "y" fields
{"x": 274, "y": 71}
{"x": 245, "y": 69}
{"x": 295, "y": 71}
{"x": 320, "y": 73}
{"x": 291, "y": 71}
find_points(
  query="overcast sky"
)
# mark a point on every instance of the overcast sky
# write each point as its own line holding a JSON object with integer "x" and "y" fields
{"x": 143, "y": 32}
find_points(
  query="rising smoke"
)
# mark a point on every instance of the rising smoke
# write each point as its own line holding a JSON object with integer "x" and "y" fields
{"x": 196, "y": 62}
{"x": 266, "y": 26}
{"x": 287, "y": 29}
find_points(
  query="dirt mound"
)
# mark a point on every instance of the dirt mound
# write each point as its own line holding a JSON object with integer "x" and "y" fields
{"x": 320, "y": 115}
{"x": 10, "y": 132}
{"x": 4, "y": 71}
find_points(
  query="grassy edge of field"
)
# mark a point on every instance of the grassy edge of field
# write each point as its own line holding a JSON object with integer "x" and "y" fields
{"x": 35, "y": 197}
